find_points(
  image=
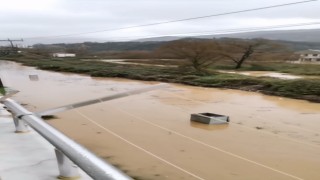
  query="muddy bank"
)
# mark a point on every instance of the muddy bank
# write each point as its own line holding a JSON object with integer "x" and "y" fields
{"x": 307, "y": 89}
{"x": 150, "y": 136}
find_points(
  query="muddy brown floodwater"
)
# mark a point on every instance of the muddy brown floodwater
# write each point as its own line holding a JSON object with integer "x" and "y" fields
{"x": 150, "y": 136}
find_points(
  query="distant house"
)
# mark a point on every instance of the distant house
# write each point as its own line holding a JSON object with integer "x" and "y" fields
{"x": 61, "y": 55}
{"x": 310, "y": 55}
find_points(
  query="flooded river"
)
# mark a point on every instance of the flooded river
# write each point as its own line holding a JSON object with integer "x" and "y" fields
{"x": 150, "y": 135}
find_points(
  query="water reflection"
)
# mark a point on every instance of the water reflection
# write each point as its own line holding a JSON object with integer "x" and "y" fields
{"x": 294, "y": 104}
{"x": 208, "y": 127}
{"x": 33, "y": 77}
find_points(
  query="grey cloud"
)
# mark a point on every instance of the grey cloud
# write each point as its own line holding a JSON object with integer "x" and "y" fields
{"x": 76, "y": 16}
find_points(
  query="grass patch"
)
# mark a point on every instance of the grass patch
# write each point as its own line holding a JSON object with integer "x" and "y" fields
{"x": 2, "y": 91}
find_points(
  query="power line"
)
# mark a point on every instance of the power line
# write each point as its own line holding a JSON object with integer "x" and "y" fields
{"x": 239, "y": 30}
{"x": 226, "y": 31}
{"x": 178, "y": 20}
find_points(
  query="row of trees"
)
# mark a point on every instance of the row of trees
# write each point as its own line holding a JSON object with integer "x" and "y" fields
{"x": 202, "y": 53}
{"x": 197, "y": 53}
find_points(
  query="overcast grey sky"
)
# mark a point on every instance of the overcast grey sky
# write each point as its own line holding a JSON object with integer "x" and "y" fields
{"x": 36, "y": 18}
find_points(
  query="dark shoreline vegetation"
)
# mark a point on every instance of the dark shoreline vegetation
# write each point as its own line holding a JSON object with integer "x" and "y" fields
{"x": 306, "y": 89}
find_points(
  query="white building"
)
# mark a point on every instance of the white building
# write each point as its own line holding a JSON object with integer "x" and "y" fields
{"x": 310, "y": 55}
{"x": 60, "y": 55}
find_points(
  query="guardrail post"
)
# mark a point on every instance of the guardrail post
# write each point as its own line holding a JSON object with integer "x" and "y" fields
{"x": 67, "y": 169}
{"x": 21, "y": 126}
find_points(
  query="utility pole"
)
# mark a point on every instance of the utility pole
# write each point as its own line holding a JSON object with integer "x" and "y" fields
{"x": 13, "y": 49}
{"x": 11, "y": 40}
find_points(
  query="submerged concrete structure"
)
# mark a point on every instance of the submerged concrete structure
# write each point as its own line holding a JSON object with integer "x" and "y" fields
{"x": 209, "y": 118}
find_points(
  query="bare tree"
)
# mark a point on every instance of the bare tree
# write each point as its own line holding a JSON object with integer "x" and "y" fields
{"x": 199, "y": 53}
{"x": 240, "y": 51}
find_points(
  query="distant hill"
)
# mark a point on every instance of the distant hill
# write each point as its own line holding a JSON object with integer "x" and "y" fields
{"x": 304, "y": 35}
{"x": 310, "y": 35}
{"x": 298, "y": 46}
{"x": 106, "y": 46}
{"x": 162, "y": 38}
{"x": 296, "y": 40}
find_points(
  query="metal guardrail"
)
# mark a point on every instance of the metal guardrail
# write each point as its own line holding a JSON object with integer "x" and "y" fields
{"x": 66, "y": 148}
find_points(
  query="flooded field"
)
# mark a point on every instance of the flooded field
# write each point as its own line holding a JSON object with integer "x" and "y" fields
{"x": 266, "y": 74}
{"x": 150, "y": 135}
{"x": 141, "y": 62}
